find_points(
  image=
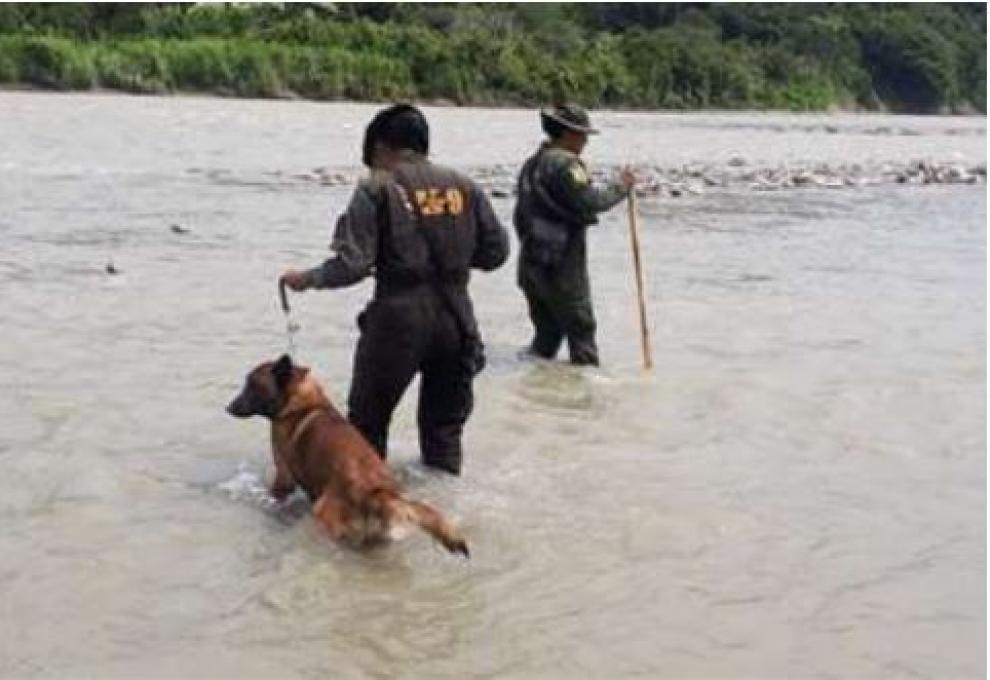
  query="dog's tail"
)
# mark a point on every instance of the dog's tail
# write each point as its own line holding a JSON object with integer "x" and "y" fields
{"x": 430, "y": 521}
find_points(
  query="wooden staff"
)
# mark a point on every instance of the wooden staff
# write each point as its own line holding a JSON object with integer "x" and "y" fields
{"x": 643, "y": 328}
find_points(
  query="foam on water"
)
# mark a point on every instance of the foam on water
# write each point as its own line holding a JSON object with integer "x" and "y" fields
{"x": 248, "y": 485}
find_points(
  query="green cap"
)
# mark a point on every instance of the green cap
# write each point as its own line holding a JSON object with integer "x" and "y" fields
{"x": 570, "y": 116}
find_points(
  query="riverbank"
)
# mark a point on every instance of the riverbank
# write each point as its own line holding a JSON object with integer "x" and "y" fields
{"x": 442, "y": 102}
{"x": 921, "y": 59}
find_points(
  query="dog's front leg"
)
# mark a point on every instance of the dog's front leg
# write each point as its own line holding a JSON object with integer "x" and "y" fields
{"x": 284, "y": 483}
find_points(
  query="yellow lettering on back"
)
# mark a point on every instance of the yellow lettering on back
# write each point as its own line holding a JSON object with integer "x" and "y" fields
{"x": 433, "y": 202}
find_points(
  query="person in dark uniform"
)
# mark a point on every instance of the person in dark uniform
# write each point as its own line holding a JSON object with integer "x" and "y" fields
{"x": 557, "y": 202}
{"x": 419, "y": 229}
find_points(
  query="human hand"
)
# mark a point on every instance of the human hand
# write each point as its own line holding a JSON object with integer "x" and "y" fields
{"x": 627, "y": 178}
{"x": 295, "y": 279}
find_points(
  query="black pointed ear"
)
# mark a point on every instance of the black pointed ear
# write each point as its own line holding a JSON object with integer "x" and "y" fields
{"x": 283, "y": 371}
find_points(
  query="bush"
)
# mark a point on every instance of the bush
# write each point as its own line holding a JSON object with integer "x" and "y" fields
{"x": 134, "y": 67}
{"x": 253, "y": 71}
{"x": 54, "y": 63}
{"x": 202, "y": 64}
{"x": 9, "y": 71}
{"x": 911, "y": 64}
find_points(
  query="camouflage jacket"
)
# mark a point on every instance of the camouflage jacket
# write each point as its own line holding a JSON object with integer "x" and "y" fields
{"x": 557, "y": 199}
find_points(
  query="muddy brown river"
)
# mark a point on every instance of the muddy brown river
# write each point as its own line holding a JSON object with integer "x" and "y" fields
{"x": 798, "y": 490}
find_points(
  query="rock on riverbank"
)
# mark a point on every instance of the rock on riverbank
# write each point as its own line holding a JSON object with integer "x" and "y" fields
{"x": 656, "y": 181}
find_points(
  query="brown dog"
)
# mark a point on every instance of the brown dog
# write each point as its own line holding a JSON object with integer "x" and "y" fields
{"x": 355, "y": 496}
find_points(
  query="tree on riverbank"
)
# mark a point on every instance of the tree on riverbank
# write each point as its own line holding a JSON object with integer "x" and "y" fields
{"x": 918, "y": 57}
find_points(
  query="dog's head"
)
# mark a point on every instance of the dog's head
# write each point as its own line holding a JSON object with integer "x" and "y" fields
{"x": 267, "y": 389}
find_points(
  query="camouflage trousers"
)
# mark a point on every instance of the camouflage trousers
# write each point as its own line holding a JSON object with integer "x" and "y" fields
{"x": 559, "y": 300}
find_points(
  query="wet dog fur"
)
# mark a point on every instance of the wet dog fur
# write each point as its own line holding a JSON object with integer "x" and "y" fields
{"x": 354, "y": 495}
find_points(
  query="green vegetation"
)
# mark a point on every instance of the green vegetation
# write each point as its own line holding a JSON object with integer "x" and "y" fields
{"x": 916, "y": 57}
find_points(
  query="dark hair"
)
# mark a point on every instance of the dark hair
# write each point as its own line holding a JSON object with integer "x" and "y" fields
{"x": 553, "y": 128}
{"x": 400, "y": 126}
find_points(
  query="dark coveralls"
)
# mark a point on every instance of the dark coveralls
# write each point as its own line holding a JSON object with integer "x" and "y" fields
{"x": 557, "y": 202}
{"x": 408, "y": 327}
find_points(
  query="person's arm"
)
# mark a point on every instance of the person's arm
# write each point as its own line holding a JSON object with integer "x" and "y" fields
{"x": 355, "y": 245}
{"x": 587, "y": 198}
{"x": 492, "y": 246}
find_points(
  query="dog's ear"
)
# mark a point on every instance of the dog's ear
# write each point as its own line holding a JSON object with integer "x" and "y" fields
{"x": 283, "y": 371}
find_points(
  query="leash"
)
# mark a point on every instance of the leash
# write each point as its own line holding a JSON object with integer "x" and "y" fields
{"x": 291, "y": 327}
{"x": 306, "y": 421}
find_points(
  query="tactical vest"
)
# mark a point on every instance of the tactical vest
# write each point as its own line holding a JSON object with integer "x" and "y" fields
{"x": 443, "y": 200}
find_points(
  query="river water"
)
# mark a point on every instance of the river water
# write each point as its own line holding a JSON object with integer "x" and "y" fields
{"x": 798, "y": 490}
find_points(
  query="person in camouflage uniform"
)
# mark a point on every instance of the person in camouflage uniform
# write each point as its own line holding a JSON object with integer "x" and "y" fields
{"x": 419, "y": 229}
{"x": 557, "y": 202}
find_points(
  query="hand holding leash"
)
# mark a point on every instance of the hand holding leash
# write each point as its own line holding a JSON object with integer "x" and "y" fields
{"x": 296, "y": 280}
{"x": 291, "y": 327}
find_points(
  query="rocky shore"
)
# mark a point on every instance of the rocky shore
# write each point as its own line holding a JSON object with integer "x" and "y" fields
{"x": 738, "y": 174}
{"x": 696, "y": 179}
